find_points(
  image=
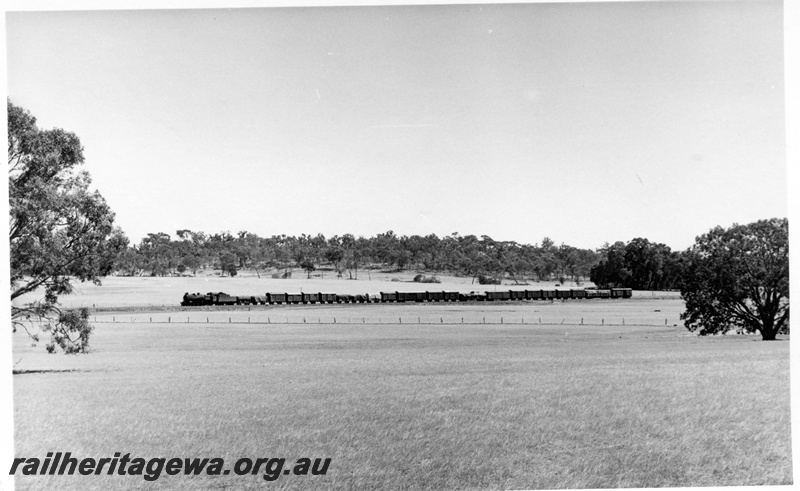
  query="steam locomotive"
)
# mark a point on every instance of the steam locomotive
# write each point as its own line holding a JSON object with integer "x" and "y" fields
{"x": 221, "y": 298}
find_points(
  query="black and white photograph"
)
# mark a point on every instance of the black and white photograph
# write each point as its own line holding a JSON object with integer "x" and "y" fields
{"x": 423, "y": 246}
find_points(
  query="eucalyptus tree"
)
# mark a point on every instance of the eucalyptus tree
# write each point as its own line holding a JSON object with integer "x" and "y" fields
{"x": 59, "y": 231}
{"x": 739, "y": 278}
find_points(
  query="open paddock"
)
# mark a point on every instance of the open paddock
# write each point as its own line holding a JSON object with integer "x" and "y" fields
{"x": 405, "y": 406}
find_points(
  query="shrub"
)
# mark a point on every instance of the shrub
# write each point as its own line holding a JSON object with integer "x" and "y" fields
{"x": 488, "y": 280}
{"x": 432, "y": 279}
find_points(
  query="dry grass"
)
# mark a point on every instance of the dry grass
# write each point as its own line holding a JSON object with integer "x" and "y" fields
{"x": 419, "y": 407}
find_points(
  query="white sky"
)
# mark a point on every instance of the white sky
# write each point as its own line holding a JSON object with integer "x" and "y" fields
{"x": 584, "y": 122}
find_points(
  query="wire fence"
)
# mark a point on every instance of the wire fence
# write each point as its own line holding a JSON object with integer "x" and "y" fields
{"x": 352, "y": 320}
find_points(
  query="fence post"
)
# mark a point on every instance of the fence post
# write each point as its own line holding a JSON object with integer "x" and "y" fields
{"x": 581, "y": 320}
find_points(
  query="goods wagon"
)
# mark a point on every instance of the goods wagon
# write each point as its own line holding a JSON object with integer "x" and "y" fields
{"x": 450, "y": 296}
{"x": 442, "y": 296}
{"x": 327, "y": 297}
{"x": 517, "y": 294}
{"x": 578, "y": 293}
{"x": 598, "y": 293}
{"x": 310, "y": 297}
{"x": 502, "y": 295}
{"x": 276, "y": 297}
{"x": 621, "y": 293}
{"x": 548, "y": 294}
{"x": 434, "y": 296}
{"x": 345, "y": 298}
{"x": 533, "y": 294}
{"x": 411, "y": 296}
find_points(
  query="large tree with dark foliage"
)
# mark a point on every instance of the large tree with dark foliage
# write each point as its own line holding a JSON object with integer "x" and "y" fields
{"x": 639, "y": 264}
{"x": 59, "y": 231}
{"x": 739, "y": 278}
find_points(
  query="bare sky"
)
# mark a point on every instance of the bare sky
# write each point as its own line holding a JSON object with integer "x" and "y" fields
{"x": 584, "y": 122}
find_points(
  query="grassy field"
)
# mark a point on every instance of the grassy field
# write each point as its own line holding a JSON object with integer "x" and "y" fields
{"x": 415, "y": 406}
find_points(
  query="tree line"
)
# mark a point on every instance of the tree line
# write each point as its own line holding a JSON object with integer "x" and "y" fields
{"x": 639, "y": 264}
{"x": 159, "y": 254}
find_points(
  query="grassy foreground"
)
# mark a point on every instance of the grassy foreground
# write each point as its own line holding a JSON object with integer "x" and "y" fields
{"x": 413, "y": 407}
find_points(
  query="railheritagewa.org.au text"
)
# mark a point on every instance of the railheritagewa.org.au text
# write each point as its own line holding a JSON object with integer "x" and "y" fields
{"x": 64, "y": 463}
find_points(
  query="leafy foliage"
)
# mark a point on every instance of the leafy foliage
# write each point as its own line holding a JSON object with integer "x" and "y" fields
{"x": 639, "y": 264}
{"x": 421, "y": 278}
{"x": 59, "y": 231}
{"x": 739, "y": 278}
{"x": 308, "y": 266}
{"x": 468, "y": 255}
{"x": 70, "y": 331}
{"x": 227, "y": 262}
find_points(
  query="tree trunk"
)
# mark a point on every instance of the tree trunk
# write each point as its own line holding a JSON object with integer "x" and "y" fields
{"x": 767, "y": 329}
{"x": 768, "y": 335}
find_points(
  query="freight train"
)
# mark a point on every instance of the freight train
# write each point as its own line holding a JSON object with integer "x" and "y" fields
{"x": 220, "y": 298}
